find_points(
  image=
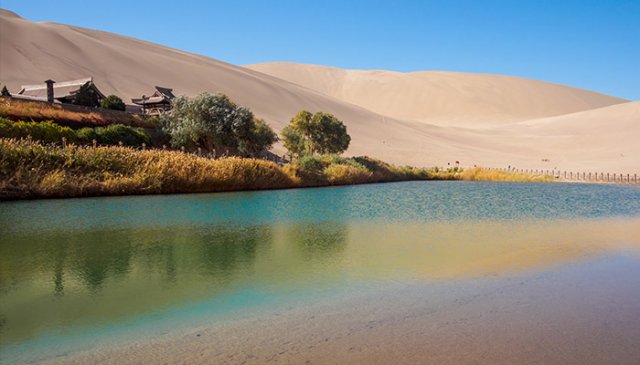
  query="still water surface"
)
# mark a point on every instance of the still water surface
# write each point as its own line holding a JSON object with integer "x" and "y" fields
{"x": 77, "y": 272}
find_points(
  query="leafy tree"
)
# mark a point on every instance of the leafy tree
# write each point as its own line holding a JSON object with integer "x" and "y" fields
{"x": 294, "y": 141}
{"x": 260, "y": 138}
{"x": 112, "y": 102}
{"x": 320, "y": 133}
{"x": 215, "y": 122}
{"x": 87, "y": 96}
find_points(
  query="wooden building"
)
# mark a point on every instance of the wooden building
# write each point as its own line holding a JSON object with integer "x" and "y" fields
{"x": 156, "y": 104}
{"x": 64, "y": 92}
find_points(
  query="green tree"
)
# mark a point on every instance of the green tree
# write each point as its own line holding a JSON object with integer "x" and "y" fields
{"x": 215, "y": 122}
{"x": 112, "y": 102}
{"x": 260, "y": 137}
{"x": 294, "y": 141}
{"x": 87, "y": 96}
{"x": 320, "y": 133}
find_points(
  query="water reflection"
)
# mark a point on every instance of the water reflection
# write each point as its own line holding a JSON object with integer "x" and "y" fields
{"x": 57, "y": 280}
{"x": 319, "y": 240}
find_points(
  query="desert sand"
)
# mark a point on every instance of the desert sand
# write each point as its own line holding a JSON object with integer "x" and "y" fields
{"x": 419, "y": 118}
{"x": 442, "y": 98}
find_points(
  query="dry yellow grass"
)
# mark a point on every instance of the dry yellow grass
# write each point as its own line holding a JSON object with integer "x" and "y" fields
{"x": 480, "y": 174}
{"x": 29, "y": 169}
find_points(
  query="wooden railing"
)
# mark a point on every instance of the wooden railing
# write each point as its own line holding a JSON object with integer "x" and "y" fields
{"x": 605, "y": 177}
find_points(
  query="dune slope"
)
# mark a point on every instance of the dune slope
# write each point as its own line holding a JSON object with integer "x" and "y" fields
{"x": 445, "y": 98}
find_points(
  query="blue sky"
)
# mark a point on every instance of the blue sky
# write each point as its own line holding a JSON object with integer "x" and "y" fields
{"x": 591, "y": 44}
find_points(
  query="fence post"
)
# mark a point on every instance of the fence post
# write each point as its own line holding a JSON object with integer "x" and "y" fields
{"x": 628, "y": 180}
{"x": 635, "y": 179}
{"x": 144, "y": 146}
{"x": 64, "y": 142}
{"x": 94, "y": 142}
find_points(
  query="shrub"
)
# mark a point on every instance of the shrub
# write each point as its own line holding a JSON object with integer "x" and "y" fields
{"x": 47, "y": 132}
{"x": 113, "y": 135}
{"x": 112, "y": 102}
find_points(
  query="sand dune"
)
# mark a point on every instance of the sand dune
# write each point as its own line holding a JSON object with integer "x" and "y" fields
{"x": 31, "y": 52}
{"x": 444, "y": 98}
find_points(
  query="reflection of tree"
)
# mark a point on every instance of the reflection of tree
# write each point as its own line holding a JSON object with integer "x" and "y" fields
{"x": 226, "y": 249}
{"x": 102, "y": 254}
{"x": 98, "y": 255}
{"x": 320, "y": 239}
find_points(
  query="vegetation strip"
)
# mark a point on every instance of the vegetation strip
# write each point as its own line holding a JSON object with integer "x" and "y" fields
{"x": 30, "y": 169}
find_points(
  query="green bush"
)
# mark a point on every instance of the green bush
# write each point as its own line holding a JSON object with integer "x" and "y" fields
{"x": 47, "y": 132}
{"x": 112, "y": 102}
{"x": 113, "y": 134}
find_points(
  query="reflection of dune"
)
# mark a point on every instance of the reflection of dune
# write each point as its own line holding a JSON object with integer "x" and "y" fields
{"x": 94, "y": 277}
{"x": 449, "y": 250}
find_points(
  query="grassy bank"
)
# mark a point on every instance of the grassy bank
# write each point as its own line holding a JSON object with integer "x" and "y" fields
{"x": 70, "y": 115}
{"x": 29, "y": 169}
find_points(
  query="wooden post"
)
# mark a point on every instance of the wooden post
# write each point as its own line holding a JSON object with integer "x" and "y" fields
{"x": 607, "y": 177}
{"x": 64, "y": 142}
{"x": 95, "y": 143}
{"x": 628, "y": 180}
{"x": 144, "y": 146}
{"x": 635, "y": 178}
{"x": 182, "y": 148}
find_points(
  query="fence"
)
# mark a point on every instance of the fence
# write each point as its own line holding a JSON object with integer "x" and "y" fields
{"x": 608, "y": 177}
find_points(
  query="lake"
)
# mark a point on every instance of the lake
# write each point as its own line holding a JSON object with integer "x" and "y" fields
{"x": 450, "y": 271}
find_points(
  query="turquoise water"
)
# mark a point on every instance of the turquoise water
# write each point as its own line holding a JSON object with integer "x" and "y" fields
{"x": 78, "y": 272}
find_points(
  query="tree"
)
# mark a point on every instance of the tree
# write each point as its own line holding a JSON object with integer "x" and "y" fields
{"x": 112, "y": 102}
{"x": 260, "y": 138}
{"x": 215, "y": 122}
{"x": 5, "y": 91}
{"x": 320, "y": 133}
{"x": 87, "y": 96}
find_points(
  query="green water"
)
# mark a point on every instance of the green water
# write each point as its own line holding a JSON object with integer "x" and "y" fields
{"x": 78, "y": 272}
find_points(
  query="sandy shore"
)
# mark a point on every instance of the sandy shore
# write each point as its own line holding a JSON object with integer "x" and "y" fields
{"x": 582, "y": 313}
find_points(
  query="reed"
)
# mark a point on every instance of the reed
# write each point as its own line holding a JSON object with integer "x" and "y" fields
{"x": 480, "y": 174}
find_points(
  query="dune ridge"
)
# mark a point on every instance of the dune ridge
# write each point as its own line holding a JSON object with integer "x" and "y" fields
{"x": 31, "y": 52}
{"x": 439, "y": 97}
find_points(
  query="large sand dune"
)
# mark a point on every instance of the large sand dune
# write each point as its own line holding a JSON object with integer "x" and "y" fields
{"x": 600, "y": 139}
{"x": 445, "y": 98}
